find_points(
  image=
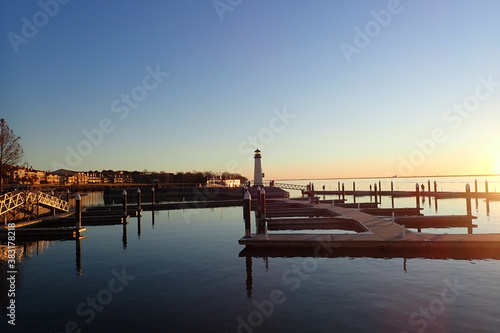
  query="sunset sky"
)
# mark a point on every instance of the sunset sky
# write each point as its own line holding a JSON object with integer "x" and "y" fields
{"x": 323, "y": 88}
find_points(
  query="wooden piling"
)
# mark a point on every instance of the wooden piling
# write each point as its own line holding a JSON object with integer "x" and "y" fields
{"x": 468, "y": 200}
{"x": 392, "y": 186}
{"x": 263, "y": 202}
{"x": 259, "y": 189}
{"x": 53, "y": 210}
{"x": 475, "y": 185}
{"x": 353, "y": 187}
{"x": 429, "y": 187}
{"x": 139, "y": 201}
{"x": 343, "y": 192}
{"x": 376, "y": 192}
{"x": 486, "y": 186}
{"x": 247, "y": 208}
{"x": 435, "y": 187}
{"x": 78, "y": 213}
{"x": 379, "y": 185}
{"x": 124, "y": 203}
{"x": 153, "y": 199}
{"x": 417, "y": 189}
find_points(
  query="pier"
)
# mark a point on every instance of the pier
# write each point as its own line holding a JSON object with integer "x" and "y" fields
{"x": 368, "y": 230}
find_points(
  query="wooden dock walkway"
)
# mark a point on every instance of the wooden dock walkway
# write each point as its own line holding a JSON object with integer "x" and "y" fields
{"x": 381, "y": 235}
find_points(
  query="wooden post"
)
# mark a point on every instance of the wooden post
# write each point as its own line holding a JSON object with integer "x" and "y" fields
{"x": 263, "y": 202}
{"x": 153, "y": 199}
{"x": 67, "y": 196}
{"x": 376, "y": 193}
{"x": 469, "y": 207}
{"x": 53, "y": 209}
{"x": 429, "y": 186}
{"x": 124, "y": 203}
{"x": 139, "y": 201}
{"x": 78, "y": 213}
{"x": 343, "y": 192}
{"x": 468, "y": 198}
{"x": 392, "y": 186}
{"x": 353, "y": 187}
{"x": 338, "y": 186}
{"x": 259, "y": 189}
{"x": 475, "y": 185}
{"x": 247, "y": 208}
{"x": 435, "y": 187}
{"x": 379, "y": 186}
{"x": 486, "y": 186}
{"x": 417, "y": 188}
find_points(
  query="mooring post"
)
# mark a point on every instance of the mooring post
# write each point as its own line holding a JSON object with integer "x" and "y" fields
{"x": 392, "y": 186}
{"x": 353, "y": 187}
{"x": 139, "y": 201}
{"x": 53, "y": 209}
{"x": 153, "y": 199}
{"x": 259, "y": 189}
{"x": 247, "y": 209}
{"x": 417, "y": 195}
{"x": 67, "y": 196}
{"x": 379, "y": 185}
{"x": 263, "y": 202}
{"x": 435, "y": 186}
{"x": 343, "y": 192}
{"x": 486, "y": 186}
{"x": 78, "y": 213}
{"x": 429, "y": 187}
{"x": 376, "y": 193}
{"x": 124, "y": 203}
{"x": 475, "y": 185}
{"x": 468, "y": 201}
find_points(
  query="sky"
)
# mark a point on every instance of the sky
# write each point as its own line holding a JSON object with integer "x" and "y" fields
{"x": 322, "y": 88}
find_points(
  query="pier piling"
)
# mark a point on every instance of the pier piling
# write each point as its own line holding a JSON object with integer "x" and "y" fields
{"x": 343, "y": 192}
{"x": 417, "y": 188}
{"x": 247, "y": 208}
{"x": 124, "y": 203}
{"x": 153, "y": 199}
{"x": 376, "y": 192}
{"x": 139, "y": 201}
{"x": 78, "y": 213}
{"x": 486, "y": 186}
{"x": 263, "y": 202}
{"x": 468, "y": 200}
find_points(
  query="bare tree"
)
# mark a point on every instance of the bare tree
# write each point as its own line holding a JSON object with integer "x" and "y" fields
{"x": 11, "y": 151}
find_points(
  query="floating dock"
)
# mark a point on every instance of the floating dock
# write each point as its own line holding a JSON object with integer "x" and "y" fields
{"x": 384, "y": 236}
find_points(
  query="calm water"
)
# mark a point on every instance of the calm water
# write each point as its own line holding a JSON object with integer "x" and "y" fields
{"x": 180, "y": 272}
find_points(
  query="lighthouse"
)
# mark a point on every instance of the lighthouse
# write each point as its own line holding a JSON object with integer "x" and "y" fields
{"x": 257, "y": 172}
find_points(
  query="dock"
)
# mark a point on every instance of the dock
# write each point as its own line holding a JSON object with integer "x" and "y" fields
{"x": 369, "y": 234}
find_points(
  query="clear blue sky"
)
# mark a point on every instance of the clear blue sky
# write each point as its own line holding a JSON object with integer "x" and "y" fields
{"x": 327, "y": 88}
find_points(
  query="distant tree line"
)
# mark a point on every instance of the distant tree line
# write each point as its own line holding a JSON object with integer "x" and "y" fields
{"x": 192, "y": 177}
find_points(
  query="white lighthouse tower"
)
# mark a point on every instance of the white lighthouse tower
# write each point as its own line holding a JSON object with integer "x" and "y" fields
{"x": 257, "y": 172}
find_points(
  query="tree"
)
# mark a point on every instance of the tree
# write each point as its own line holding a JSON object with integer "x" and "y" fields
{"x": 11, "y": 151}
